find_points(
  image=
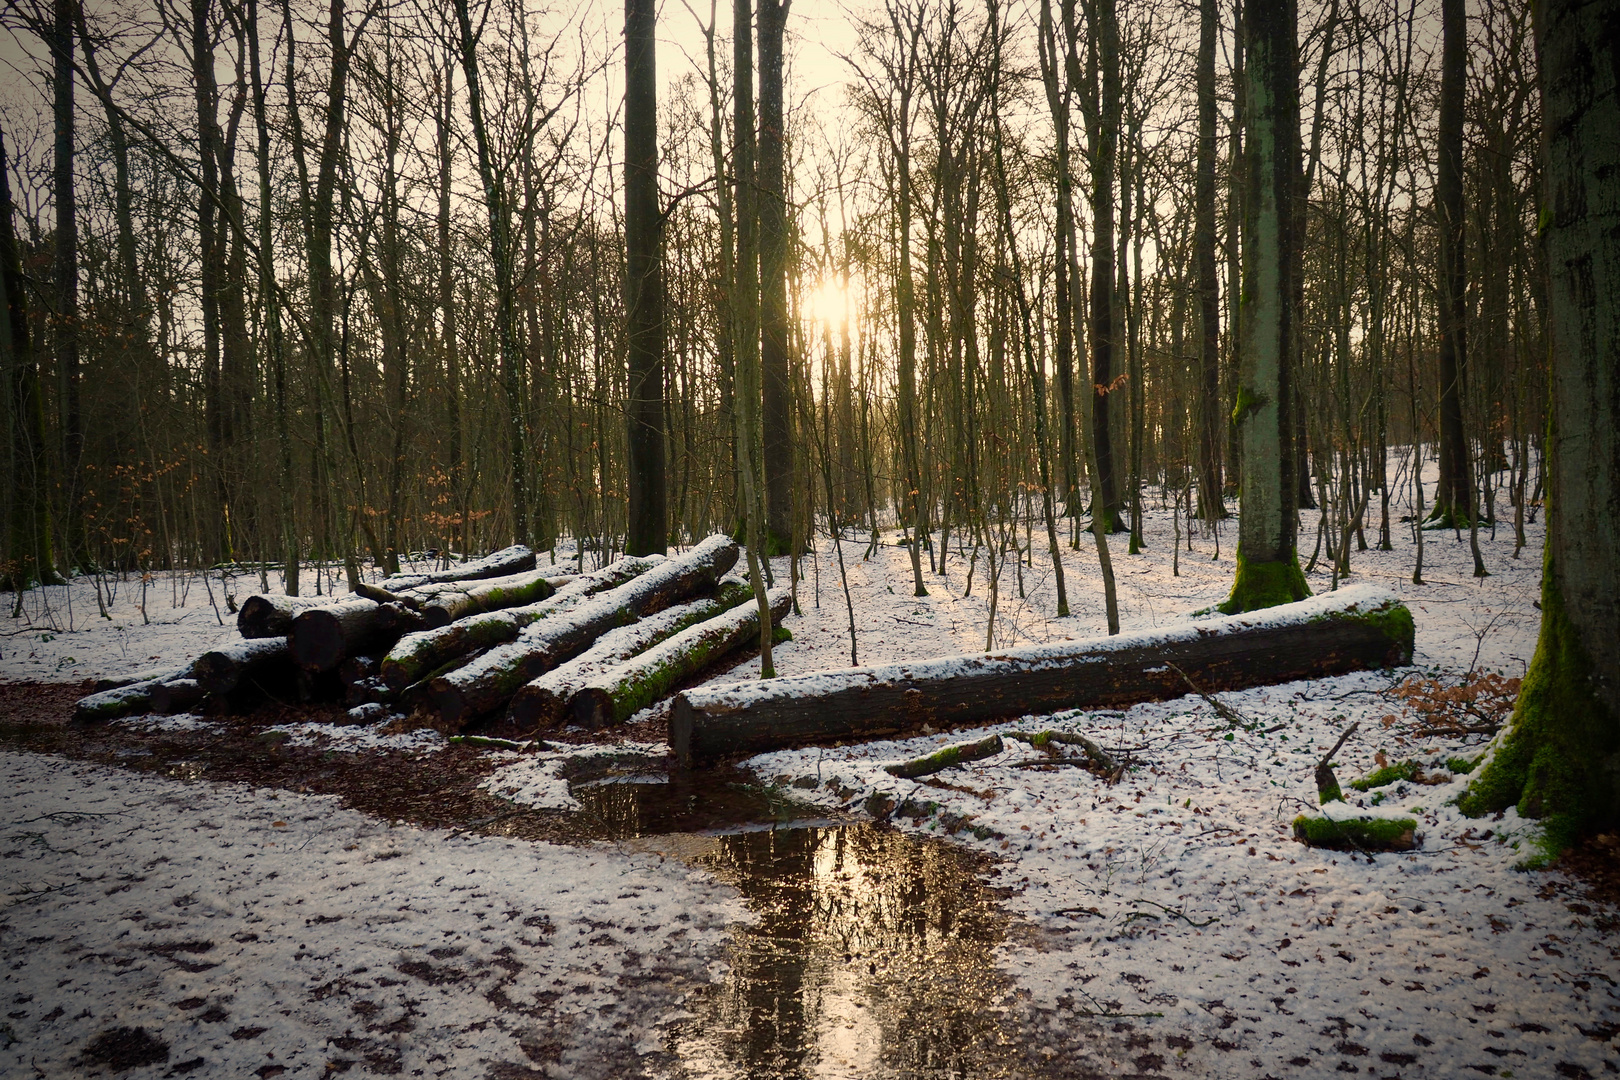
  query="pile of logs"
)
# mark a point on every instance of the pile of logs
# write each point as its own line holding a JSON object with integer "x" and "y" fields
{"x": 495, "y": 639}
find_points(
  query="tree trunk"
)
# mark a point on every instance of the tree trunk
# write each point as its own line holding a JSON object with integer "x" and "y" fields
{"x": 1454, "y": 500}
{"x": 65, "y": 325}
{"x": 618, "y": 693}
{"x": 773, "y": 267}
{"x": 453, "y": 601}
{"x": 1267, "y": 567}
{"x": 509, "y": 560}
{"x": 1104, "y": 157}
{"x": 264, "y": 616}
{"x": 29, "y": 557}
{"x": 219, "y": 671}
{"x": 1210, "y": 504}
{"x": 648, "y": 529}
{"x": 1559, "y": 757}
{"x": 322, "y": 636}
{"x": 1354, "y": 629}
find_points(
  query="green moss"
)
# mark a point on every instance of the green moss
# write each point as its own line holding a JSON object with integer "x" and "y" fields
{"x": 1330, "y": 792}
{"x": 780, "y": 633}
{"x": 1394, "y": 619}
{"x": 1363, "y": 834}
{"x": 1247, "y": 404}
{"x": 1555, "y": 760}
{"x": 1389, "y": 774}
{"x": 1260, "y": 585}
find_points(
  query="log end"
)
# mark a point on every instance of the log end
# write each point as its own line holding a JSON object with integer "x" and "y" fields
{"x": 316, "y": 640}
{"x": 591, "y": 708}
{"x": 177, "y": 695}
{"x": 535, "y": 709}
{"x": 680, "y": 731}
{"x": 260, "y": 618}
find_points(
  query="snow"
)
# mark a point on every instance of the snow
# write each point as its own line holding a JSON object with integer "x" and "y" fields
{"x": 251, "y": 930}
{"x": 1175, "y": 898}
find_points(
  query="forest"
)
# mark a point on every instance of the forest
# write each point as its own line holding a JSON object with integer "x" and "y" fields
{"x": 337, "y": 282}
{"x": 1166, "y": 456}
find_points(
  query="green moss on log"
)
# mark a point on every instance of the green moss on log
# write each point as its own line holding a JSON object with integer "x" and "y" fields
{"x": 1259, "y": 585}
{"x": 1389, "y": 774}
{"x": 1556, "y": 759}
{"x": 946, "y": 757}
{"x": 1357, "y": 834}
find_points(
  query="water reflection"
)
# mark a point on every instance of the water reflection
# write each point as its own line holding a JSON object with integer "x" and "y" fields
{"x": 871, "y": 956}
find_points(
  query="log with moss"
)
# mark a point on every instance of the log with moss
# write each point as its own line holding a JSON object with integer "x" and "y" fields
{"x": 513, "y": 560}
{"x": 491, "y": 681}
{"x": 946, "y": 757}
{"x": 417, "y": 654}
{"x": 1357, "y": 833}
{"x": 618, "y": 693}
{"x": 127, "y": 700}
{"x": 1354, "y": 629}
{"x": 543, "y": 702}
{"x": 221, "y": 670}
{"x": 263, "y": 616}
{"x": 444, "y": 604}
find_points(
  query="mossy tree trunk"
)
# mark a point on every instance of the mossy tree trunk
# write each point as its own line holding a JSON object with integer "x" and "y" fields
{"x": 1267, "y": 568}
{"x": 1454, "y": 499}
{"x": 1559, "y": 757}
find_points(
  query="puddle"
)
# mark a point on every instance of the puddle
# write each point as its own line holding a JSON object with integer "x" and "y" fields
{"x": 872, "y": 955}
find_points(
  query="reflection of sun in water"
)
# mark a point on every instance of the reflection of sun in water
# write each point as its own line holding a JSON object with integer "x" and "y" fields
{"x": 830, "y": 301}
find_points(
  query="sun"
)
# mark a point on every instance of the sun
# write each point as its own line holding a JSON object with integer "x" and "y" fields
{"x": 830, "y": 302}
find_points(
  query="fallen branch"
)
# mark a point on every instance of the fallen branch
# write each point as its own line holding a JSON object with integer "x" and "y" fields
{"x": 1223, "y": 710}
{"x": 1100, "y": 757}
{"x": 1327, "y": 785}
{"x": 946, "y": 757}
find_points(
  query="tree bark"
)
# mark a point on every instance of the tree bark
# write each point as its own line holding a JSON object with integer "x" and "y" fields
{"x": 509, "y": 560}
{"x": 219, "y": 671}
{"x": 264, "y": 616}
{"x": 1354, "y": 629}
{"x": 1211, "y": 507}
{"x": 1559, "y": 757}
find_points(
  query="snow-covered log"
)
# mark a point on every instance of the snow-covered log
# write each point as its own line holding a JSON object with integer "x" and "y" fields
{"x": 513, "y": 560}
{"x": 123, "y": 700}
{"x": 221, "y": 670}
{"x": 321, "y": 637}
{"x": 543, "y": 702}
{"x": 417, "y": 654}
{"x": 618, "y": 693}
{"x": 1353, "y": 629}
{"x": 490, "y": 681}
{"x": 264, "y": 616}
{"x": 446, "y": 605}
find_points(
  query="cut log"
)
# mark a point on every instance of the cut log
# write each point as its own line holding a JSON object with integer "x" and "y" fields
{"x": 490, "y": 681}
{"x": 461, "y": 600}
{"x": 417, "y": 654}
{"x": 1353, "y": 629}
{"x": 321, "y": 637}
{"x": 946, "y": 757}
{"x": 619, "y": 693}
{"x": 1357, "y": 833}
{"x": 543, "y": 703}
{"x": 123, "y": 700}
{"x": 379, "y": 595}
{"x": 513, "y": 560}
{"x": 221, "y": 670}
{"x": 264, "y": 616}
{"x": 177, "y": 695}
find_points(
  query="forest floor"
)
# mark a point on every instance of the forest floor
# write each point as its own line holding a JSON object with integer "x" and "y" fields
{"x": 281, "y": 893}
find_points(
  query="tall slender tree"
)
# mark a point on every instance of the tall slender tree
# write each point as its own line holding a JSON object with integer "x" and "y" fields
{"x": 1268, "y": 570}
{"x": 1211, "y": 507}
{"x": 771, "y": 182}
{"x": 647, "y": 531}
{"x": 1454, "y": 499}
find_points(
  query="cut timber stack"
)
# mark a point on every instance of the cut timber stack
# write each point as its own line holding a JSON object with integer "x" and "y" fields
{"x": 620, "y": 692}
{"x": 543, "y": 703}
{"x": 1352, "y": 629}
{"x": 416, "y": 655}
{"x": 490, "y": 681}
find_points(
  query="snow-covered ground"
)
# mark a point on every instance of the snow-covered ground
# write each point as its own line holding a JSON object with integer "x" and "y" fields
{"x": 1174, "y": 901}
